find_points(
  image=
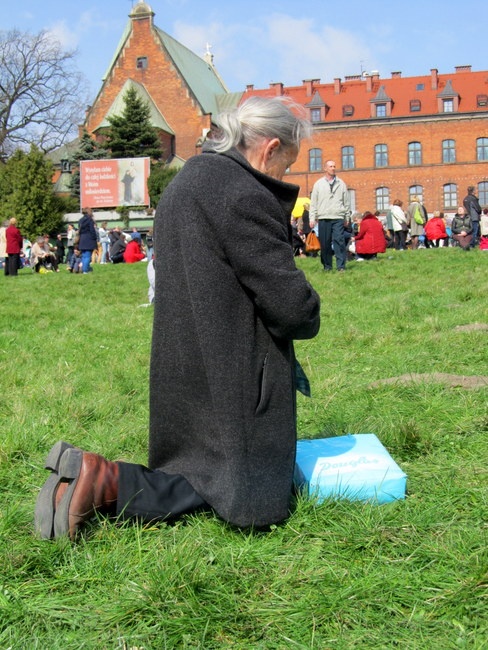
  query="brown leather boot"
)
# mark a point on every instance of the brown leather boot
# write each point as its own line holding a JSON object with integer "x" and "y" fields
{"x": 92, "y": 486}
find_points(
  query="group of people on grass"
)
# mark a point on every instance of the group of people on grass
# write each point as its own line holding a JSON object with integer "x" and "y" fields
{"x": 366, "y": 235}
{"x": 85, "y": 246}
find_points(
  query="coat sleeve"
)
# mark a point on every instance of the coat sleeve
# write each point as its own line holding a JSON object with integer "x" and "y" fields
{"x": 259, "y": 251}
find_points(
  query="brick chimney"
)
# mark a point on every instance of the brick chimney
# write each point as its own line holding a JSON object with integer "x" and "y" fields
{"x": 249, "y": 87}
{"x": 463, "y": 68}
{"x": 309, "y": 85}
{"x": 434, "y": 79}
{"x": 337, "y": 85}
{"x": 278, "y": 87}
{"x": 396, "y": 75}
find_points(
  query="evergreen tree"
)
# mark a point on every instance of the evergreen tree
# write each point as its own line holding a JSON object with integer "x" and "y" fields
{"x": 26, "y": 192}
{"x": 160, "y": 177}
{"x": 88, "y": 149}
{"x": 131, "y": 134}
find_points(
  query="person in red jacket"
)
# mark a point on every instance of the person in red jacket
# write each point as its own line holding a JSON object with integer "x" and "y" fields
{"x": 435, "y": 229}
{"x": 133, "y": 251}
{"x": 14, "y": 246}
{"x": 370, "y": 240}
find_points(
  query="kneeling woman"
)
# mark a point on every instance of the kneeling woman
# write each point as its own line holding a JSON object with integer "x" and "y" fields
{"x": 370, "y": 239}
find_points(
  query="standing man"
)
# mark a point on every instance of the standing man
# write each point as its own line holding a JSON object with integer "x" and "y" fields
{"x": 473, "y": 209}
{"x": 330, "y": 206}
{"x": 88, "y": 239}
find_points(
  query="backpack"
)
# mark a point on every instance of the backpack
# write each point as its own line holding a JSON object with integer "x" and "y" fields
{"x": 417, "y": 216}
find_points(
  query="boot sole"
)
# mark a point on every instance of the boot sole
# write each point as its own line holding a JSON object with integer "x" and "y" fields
{"x": 45, "y": 510}
{"x": 69, "y": 471}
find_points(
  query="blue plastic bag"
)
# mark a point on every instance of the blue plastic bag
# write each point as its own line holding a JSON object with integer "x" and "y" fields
{"x": 353, "y": 467}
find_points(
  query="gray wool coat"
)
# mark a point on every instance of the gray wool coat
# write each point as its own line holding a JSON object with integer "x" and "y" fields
{"x": 229, "y": 302}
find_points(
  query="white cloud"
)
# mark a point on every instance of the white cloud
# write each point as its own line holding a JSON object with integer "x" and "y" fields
{"x": 67, "y": 38}
{"x": 278, "y": 48}
{"x": 304, "y": 51}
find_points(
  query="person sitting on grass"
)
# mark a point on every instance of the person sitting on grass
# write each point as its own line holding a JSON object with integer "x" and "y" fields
{"x": 435, "y": 230}
{"x": 133, "y": 252}
{"x": 370, "y": 240}
{"x": 462, "y": 228}
{"x": 118, "y": 248}
{"x": 42, "y": 257}
{"x": 76, "y": 264}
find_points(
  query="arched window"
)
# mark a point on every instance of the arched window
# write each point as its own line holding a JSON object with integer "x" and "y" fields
{"x": 416, "y": 190}
{"x": 315, "y": 160}
{"x": 348, "y": 158}
{"x": 382, "y": 198}
{"x": 414, "y": 153}
{"x": 381, "y": 155}
{"x": 483, "y": 193}
{"x": 448, "y": 151}
{"x": 482, "y": 149}
{"x": 450, "y": 195}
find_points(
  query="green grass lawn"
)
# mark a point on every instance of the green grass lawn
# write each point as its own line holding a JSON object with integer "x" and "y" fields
{"x": 74, "y": 353}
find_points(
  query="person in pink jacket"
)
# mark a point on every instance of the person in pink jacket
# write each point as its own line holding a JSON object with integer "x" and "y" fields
{"x": 435, "y": 229}
{"x": 370, "y": 239}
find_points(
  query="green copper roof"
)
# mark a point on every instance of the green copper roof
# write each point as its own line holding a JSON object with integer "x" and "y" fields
{"x": 200, "y": 76}
{"x": 117, "y": 108}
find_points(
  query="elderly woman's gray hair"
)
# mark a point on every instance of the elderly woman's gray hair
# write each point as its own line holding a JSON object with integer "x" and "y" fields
{"x": 260, "y": 118}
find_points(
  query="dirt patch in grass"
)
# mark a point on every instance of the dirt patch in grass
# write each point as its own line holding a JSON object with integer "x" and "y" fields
{"x": 454, "y": 381}
{"x": 471, "y": 327}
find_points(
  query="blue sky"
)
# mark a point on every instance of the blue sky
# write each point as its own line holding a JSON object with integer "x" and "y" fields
{"x": 258, "y": 42}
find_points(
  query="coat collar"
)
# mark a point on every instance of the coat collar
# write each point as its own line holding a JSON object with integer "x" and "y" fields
{"x": 285, "y": 193}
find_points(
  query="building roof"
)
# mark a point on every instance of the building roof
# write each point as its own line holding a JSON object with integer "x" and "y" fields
{"x": 199, "y": 74}
{"x": 65, "y": 152}
{"x": 156, "y": 117}
{"x": 358, "y": 91}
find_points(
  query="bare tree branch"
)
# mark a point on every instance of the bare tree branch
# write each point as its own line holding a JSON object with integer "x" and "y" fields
{"x": 42, "y": 94}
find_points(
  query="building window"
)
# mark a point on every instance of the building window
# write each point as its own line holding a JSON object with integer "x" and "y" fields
{"x": 482, "y": 100}
{"x": 420, "y": 86}
{"x": 483, "y": 193}
{"x": 381, "y": 155}
{"x": 315, "y": 160}
{"x": 380, "y": 110}
{"x": 450, "y": 195}
{"x": 448, "y": 151}
{"x": 65, "y": 166}
{"x": 415, "y": 105}
{"x": 347, "y": 110}
{"x": 141, "y": 62}
{"x": 482, "y": 149}
{"x": 416, "y": 190}
{"x": 348, "y": 158}
{"x": 382, "y": 198}
{"x": 352, "y": 198}
{"x": 414, "y": 153}
{"x": 448, "y": 106}
{"x": 315, "y": 115}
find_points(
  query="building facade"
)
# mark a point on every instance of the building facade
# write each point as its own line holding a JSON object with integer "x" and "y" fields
{"x": 397, "y": 137}
{"x": 390, "y": 137}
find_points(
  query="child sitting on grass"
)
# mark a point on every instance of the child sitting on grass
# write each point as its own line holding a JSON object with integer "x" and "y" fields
{"x": 75, "y": 265}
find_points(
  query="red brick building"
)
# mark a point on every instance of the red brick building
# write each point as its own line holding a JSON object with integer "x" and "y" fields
{"x": 397, "y": 137}
{"x": 182, "y": 89}
{"x": 390, "y": 137}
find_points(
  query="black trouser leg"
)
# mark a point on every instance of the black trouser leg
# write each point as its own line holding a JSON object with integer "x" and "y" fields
{"x": 152, "y": 495}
